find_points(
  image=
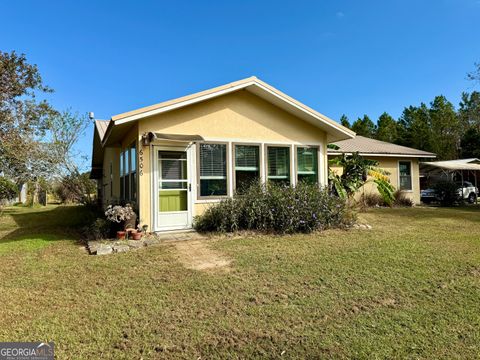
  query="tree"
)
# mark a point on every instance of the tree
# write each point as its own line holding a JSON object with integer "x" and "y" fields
{"x": 344, "y": 121}
{"x": 64, "y": 129}
{"x": 469, "y": 110}
{"x": 76, "y": 188}
{"x": 386, "y": 128}
{"x": 414, "y": 128}
{"x": 23, "y": 154}
{"x": 355, "y": 172}
{"x": 445, "y": 129}
{"x": 470, "y": 144}
{"x": 364, "y": 127}
{"x": 475, "y": 74}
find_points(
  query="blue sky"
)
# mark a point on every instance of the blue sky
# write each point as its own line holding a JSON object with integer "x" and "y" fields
{"x": 352, "y": 57}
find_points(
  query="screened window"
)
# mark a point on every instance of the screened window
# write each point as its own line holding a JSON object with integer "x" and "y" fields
{"x": 213, "y": 169}
{"x": 111, "y": 179}
{"x": 128, "y": 174}
{"x": 122, "y": 175}
{"x": 247, "y": 166}
{"x": 405, "y": 170}
{"x": 307, "y": 164}
{"x": 278, "y": 164}
{"x": 133, "y": 172}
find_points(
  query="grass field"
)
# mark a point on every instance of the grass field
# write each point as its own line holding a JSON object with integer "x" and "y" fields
{"x": 408, "y": 288}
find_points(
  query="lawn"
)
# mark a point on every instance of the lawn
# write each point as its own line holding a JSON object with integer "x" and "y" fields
{"x": 408, "y": 288}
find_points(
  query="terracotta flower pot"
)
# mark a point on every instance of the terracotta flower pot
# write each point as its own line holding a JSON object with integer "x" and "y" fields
{"x": 121, "y": 235}
{"x": 137, "y": 235}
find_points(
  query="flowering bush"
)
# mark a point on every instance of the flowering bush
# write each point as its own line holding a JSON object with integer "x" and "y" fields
{"x": 119, "y": 213}
{"x": 276, "y": 208}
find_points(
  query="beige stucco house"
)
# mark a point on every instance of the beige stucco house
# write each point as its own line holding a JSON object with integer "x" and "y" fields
{"x": 401, "y": 162}
{"x": 175, "y": 158}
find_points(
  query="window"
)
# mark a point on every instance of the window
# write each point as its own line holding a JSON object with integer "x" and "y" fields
{"x": 128, "y": 174}
{"x": 307, "y": 164}
{"x": 122, "y": 175}
{"x": 213, "y": 169}
{"x": 278, "y": 159}
{"x": 111, "y": 179}
{"x": 247, "y": 166}
{"x": 133, "y": 172}
{"x": 405, "y": 171}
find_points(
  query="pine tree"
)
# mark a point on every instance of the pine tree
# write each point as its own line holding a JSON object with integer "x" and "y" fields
{"x": 344, "y": 121}
{"x": 386, "y": 128}
{"x": 364, "y": 127}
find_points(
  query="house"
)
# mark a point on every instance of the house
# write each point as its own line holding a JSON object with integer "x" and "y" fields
{"x": 401, "y": 162}
{"x": 175, "y": 158}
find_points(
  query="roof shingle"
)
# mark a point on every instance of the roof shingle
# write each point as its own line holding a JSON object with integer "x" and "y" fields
{"x": 367, "y": 146}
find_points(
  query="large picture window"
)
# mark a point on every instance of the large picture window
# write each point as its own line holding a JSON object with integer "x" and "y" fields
{"x": 307, "y": 164}
{"x": 247, "y": 166}
{"x": 405, "y": 175}
{"x": 278, "y": 164}
{"x": 213, "y": 169}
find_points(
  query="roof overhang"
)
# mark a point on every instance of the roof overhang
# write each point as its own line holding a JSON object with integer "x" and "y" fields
{"x": 334, "y": 130}
{"x": 336, "y": 153}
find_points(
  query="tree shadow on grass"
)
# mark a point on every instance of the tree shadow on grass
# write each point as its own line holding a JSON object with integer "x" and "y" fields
{"x": 51, "y": 223}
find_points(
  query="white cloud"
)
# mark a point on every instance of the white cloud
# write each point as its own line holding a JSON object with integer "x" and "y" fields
{"x": 340, "y": 14}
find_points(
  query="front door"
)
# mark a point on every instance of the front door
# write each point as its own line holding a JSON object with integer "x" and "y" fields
{"x": 173, "y": 206}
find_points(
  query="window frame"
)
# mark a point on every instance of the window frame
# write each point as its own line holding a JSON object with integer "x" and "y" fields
{"x": 296, "y": 147}
{"x": 399, "y": 175}
{"x": 126, "y": 164}
{"x": 260, "y": 161}
{"x": 290, "y": 148}
{"x": 227, "y": 170}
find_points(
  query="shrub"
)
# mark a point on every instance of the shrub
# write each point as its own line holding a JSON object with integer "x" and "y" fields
{"x": 402, "y": 200}
{"x": 99, "y": 229}
{"x": 372, "y": 199}
{"x": 447, "y": 192}
{"x": 276, "y": 208}
{"x": 8, "y": 189}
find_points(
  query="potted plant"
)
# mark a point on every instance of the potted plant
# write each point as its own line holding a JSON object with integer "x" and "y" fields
{"x": 120, "y": 215}
{"x": 136, "y": 235}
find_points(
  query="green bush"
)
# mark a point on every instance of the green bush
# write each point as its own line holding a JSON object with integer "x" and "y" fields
{"x": 447, "y": 193}
{"x": 276, "y": 208}
{"x": 8, "y": 189}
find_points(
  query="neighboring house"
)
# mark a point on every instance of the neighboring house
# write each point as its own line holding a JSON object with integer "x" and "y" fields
{"x": 400, "y": 161}
{"x": 175, "y": 158}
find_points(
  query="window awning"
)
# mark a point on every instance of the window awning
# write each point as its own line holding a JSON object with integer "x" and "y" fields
{"x": 151, "y": 136}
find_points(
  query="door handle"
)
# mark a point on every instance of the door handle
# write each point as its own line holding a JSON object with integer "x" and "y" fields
{"x": 189, "y": 186}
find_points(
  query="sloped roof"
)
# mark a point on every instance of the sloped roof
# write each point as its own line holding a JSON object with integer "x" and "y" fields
{"x": 334, "y": 130}
{"x": 372, "y": 147}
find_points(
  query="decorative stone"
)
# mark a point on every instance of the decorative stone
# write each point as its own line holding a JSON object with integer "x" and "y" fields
{"x": 103, "y": 249}
{"x": 121, "y": 248}
{"x": 136, "y": 244}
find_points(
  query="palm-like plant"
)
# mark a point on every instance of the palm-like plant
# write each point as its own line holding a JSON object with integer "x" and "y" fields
{"x": 357, "y": 171}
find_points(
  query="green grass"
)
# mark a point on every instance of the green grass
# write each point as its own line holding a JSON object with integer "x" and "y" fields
{"x": 409, "y": 288}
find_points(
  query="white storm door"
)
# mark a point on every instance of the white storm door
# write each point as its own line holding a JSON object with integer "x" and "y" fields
{"x": 173, "y": 190}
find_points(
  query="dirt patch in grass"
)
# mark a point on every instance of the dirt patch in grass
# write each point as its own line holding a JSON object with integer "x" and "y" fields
{"x": 197, "y": 255}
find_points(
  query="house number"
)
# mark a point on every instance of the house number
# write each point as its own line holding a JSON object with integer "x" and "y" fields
{"x": 140, "y": 161}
